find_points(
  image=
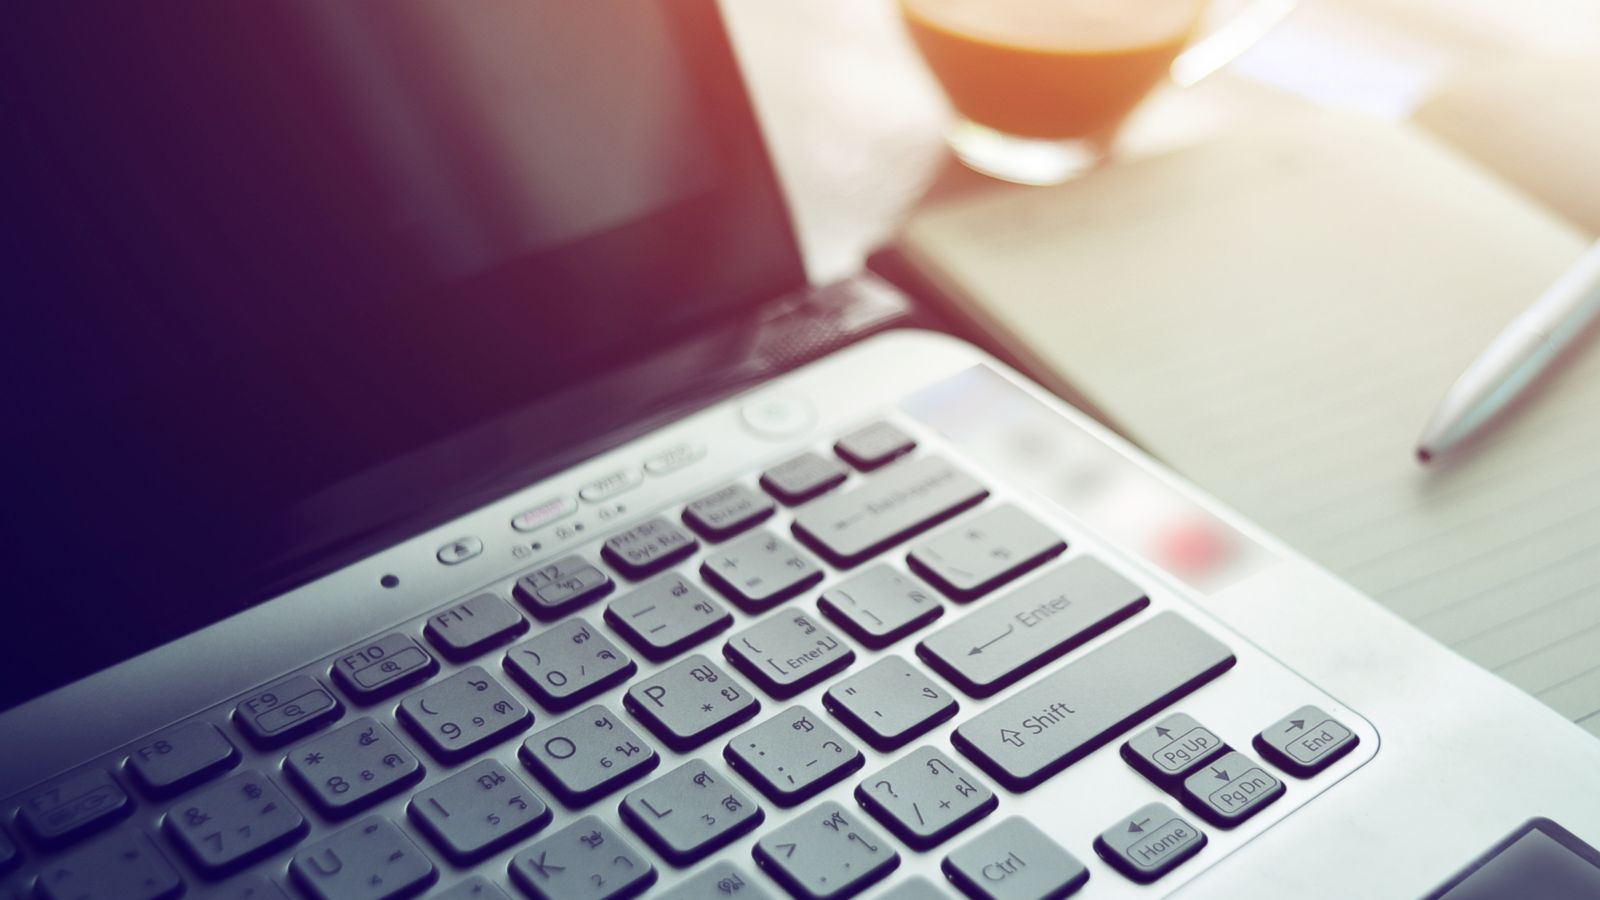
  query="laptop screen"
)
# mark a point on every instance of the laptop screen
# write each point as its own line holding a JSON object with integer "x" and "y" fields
{"x": 256, "y": 249}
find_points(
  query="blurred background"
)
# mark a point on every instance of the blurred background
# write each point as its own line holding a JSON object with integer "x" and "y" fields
{"x": 859, "y": 137}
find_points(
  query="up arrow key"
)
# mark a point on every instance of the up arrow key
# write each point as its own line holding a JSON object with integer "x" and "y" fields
{"x": 1162, "y": 732}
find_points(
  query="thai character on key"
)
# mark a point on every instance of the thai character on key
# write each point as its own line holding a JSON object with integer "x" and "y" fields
{"x": 593, "y": 839}
{"x": 582, "y": 635}
{"x": 934, "y": 765}
{"x": 603, "y": 722}
{"x": 393, "y": 760}
{"x": 730, "y": 694}
{"x": 703, "y": 608}
{"x": 731, "y": 803}
{"x": 729, "y": 884}
{"x": 871, "y": 847}
{"x": 803, "y": 724}
{"x": 367, "y": 738}
{"x": 834, "y": 745}
{"x": 605, "y": 655}
{"x": 703, "y": 779}
{"x": 703, "y": 674}
{"x": 805, "y": 624}
{"x": 965, "y": 788}
{"x": 835, "y": 822}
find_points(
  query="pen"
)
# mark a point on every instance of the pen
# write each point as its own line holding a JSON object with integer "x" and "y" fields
{"x": 1515, "y": 356}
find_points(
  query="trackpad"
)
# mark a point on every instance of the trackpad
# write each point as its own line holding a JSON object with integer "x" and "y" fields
{"x": 1540, "y": 859}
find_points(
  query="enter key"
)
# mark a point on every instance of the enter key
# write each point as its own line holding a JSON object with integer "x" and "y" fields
{"x": 1020, "y": 631}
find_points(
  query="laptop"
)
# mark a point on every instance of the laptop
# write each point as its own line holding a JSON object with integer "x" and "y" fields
{"x": 434, "y": 476}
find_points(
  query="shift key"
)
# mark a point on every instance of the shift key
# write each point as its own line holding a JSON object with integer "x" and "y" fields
{"x": 894, "y": 505}
{"x": 1018, "y": 632}
{"x": 1081, "y": 706}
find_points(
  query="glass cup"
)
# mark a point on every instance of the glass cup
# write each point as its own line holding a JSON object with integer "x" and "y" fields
{"x": 1040, "y": 86}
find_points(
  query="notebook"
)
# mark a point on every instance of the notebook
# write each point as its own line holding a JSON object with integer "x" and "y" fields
{"x": 1275, "y": 314}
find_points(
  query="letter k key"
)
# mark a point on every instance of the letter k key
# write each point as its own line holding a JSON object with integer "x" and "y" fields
{"x": 544, "y": 869}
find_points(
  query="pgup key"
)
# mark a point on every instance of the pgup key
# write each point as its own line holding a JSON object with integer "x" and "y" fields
{"x": 1171, "y": 749}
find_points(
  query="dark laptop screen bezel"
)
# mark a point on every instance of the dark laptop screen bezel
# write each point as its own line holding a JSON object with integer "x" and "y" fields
{"x": 150, "y": 575}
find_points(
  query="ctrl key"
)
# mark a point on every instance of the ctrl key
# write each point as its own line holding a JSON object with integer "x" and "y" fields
{"x": 1014, "y": 860}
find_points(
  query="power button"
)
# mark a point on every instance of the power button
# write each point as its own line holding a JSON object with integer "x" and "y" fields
{"x": 778, "y": 415}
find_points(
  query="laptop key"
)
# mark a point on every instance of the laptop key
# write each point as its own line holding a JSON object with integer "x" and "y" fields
{"x": 980, "y": 554}
{"x": 473, "y": 626}
{"x": 463, "y": 714}
{"x": 724, "y": 513}
{"x": 667, "y": 616}
{"x": 793, "y": 756}
{"x": 234, "y": 822}
{"x": 352, "y": 767}
{"x": 72, "y": 806}
{"x": 1014, "y": 860}
{"x": 873, "y": 446}
{"x": 1018, "y": 632}
{"x": 371, "y": 860}
{"x": 892, "y": 506}
{"x": 289, "y": 709}
{"x": 760, "y": 571}
{"x": 787, "y": 653}
{"x": 648, "y": 548}
{"x": 690, "y": 702}
{"x": 1305, "y": 742}
{"x": 690, "y": 812}
{"x": 720, "y": 879}
{"x": 475, "y": 888}
{"x": 179, "y": 758}
{"x": 123, "y": 865}
{"x": 587, "y": 860}
{"x": 557, "y": 588}
{"x": 802, "y": 478}
{"x": 925, "y": 798}
{"x": 828, "y": 851}
{"x": 477, "y": 811}
{"x": 889, "y": 703}
{"x": 588, "y": 755}
{"x": 1172, "y": 749}
{"x": 566, "y": 664}
{"x": 1150, "y": 843}
{"x": 880, "y": 605}
{"x": 1230, "y": 790}
{"x": 382, "y": 667}
{"x": 1085, "y": 704}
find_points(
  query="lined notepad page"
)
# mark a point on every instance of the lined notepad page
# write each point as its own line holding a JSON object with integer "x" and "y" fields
{"x": 1275, "y": 315}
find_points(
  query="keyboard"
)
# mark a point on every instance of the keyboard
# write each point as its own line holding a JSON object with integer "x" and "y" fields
{"x": 860, "y": 668}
